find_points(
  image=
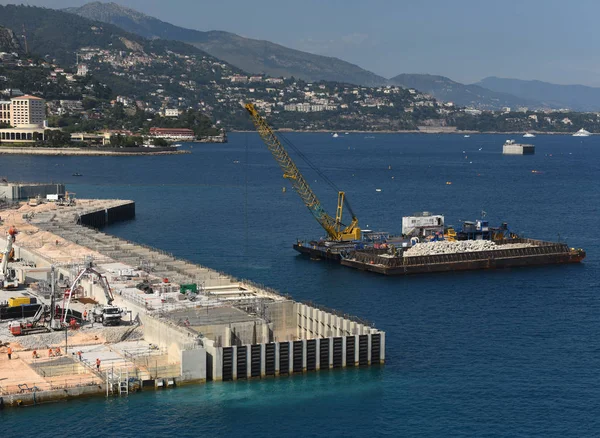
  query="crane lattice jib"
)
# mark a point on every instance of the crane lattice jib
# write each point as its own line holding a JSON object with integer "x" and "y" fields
{"x": 291, "y": 172}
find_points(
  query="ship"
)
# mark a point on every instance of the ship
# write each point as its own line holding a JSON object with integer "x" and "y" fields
{"x": 426, "y": 244}
{"x": 582, "y": 133}
{"x": 506, "y": 254}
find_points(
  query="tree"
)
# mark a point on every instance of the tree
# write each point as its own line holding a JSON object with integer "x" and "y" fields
{"x": 57, "y": 138}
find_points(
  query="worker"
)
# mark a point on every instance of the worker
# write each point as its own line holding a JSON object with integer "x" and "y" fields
{"x": 57, "y": 352}
{"x": 85, "y": 315}
{"x": 50, "y": 352}
{"x": 56, "y": 242}
{"x": 34, "y": 355}
{"x": 79, "y": 355}
{"x": 9, "y": 353}
{"x": 98, "y": 364}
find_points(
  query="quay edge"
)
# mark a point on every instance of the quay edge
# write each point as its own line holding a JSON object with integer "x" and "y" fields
{"x": 236, "y": 330}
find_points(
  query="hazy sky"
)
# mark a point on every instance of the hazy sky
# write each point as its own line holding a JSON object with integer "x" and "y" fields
{"x": 465, "y": 40}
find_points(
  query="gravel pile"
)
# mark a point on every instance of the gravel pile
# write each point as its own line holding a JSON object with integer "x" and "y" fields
{"x": 42, "y": 341}
{"x": 115, "y": 334}
{"x": 447, "y": 247}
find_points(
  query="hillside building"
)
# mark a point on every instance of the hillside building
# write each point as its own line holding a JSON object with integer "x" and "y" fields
{"x": 173, "y": 133}
{"x": 27, "y": 117}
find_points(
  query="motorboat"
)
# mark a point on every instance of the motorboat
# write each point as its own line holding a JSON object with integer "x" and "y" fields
{"x": 582, "y": 133}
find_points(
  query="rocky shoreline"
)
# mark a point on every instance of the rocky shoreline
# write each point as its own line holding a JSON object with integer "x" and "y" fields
{"x": 84, "y": 152}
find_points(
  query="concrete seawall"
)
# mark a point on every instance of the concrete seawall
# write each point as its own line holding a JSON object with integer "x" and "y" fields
{"x": 103, "y": 217}
{"x": 226, "y": 329}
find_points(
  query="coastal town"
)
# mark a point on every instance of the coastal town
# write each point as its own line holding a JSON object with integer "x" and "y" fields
{"x": 124, "y": 93}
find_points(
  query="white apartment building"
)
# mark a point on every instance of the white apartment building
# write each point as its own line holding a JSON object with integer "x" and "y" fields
{"x": 5, "y": 111}
{"x": 171, "y": 112}
{"x": 27, "y": 111}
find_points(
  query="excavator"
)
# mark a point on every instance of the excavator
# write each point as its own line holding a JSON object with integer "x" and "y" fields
{"x": 334, "y": 227}
{"x": 8, "y": 276}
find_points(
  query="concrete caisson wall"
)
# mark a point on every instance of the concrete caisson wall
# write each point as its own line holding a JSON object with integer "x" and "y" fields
{"x": 304, "y": 339}
{"x": 180, "y": 344}
{"x": 15, "y": 192}
{"x": 101, "y": 218}
{"x": 283, "y": 318}
{"x": 312, "y": 322}
{"x": 39, "y": 397}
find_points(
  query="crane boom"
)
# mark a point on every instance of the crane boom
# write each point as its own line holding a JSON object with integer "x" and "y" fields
{"x": 333, "y": 226}
{"x": 7, "y": 278}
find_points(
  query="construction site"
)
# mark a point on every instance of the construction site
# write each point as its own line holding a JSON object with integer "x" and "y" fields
{"x": 83, "y": 312}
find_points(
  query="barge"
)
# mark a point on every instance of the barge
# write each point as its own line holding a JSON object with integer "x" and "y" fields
{"x": 509, "y": 253}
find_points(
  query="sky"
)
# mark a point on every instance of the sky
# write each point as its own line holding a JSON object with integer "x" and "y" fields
{"x": 466, "y": 40}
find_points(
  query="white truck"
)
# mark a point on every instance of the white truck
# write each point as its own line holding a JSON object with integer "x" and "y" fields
{"x": 107, "y": 314}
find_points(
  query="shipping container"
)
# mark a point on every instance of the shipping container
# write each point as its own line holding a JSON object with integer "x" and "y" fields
{"x": 18, "y": 301}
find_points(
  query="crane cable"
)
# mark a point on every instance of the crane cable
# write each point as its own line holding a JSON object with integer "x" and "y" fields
{"x": 316, "y": 169}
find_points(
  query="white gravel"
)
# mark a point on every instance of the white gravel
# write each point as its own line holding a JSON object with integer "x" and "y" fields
{"x": 447, "y": 247}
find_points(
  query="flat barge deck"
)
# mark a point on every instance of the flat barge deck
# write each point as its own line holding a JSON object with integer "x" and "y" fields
{"x": 318, "y": 252}
{"x": 538, "y": 253}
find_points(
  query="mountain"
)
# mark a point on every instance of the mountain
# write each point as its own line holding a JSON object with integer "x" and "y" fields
{"x": 575, "y": 97}
{"x": 447, "y": 90}
{"x": 254, "y": 56}
{"x": 8, "y": 41}
{"x": 58, "y": 36}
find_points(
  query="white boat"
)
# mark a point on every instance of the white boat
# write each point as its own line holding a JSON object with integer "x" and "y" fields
{"x": 582, "y": 133}
{"x": 177, "y": 145}
{"x": 528, "y": 135}
{"x": 467, "y": 136}
{"x": 335, "y": 135}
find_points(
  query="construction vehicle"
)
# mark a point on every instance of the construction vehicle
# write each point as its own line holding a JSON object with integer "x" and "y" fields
{"x": 36, "y": 325}
{"x": 67, "y": 201}
{"x": 334, "y": 227}
{"x": 107, "y": 314}
{"x": 34, "y": 202}
{"x": 8, "y": 276}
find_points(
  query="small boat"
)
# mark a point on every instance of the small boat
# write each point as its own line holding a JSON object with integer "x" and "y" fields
{"x": 335, "y": 135}
{"x": 528, "y": 135}
{"x": 582, "y": 133}
{"x": 177, "y": 145}
{"x": 467, "y": 136}
{"x": 346, "y": 133}
{"x": 77, "y": 174}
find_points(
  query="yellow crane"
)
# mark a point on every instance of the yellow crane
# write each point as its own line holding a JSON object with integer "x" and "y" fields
{"x": 334, "y": 227}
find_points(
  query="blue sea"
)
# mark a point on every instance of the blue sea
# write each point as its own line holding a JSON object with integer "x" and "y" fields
{"x": 497, "y": 353}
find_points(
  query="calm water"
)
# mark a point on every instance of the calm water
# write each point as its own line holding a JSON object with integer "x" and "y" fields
{"x": 506, "y": 353}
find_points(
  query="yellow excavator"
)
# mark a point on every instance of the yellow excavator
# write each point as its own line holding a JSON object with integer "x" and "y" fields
{"x": 334, "y": 227}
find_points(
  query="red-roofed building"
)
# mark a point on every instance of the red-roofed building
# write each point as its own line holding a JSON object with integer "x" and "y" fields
{"x": 173, "y": 133}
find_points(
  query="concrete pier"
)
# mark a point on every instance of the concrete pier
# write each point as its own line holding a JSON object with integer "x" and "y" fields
{"x": 229, "y": 329}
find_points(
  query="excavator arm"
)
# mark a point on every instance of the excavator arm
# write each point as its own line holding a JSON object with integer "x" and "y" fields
{"x": 333, "y": 226}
